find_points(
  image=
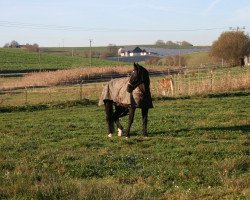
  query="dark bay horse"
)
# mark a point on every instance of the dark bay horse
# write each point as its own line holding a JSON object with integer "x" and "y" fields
{"x": 125, "y": 95}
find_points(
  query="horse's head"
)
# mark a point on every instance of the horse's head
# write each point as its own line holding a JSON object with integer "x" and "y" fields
{"x": 137, "y": 77}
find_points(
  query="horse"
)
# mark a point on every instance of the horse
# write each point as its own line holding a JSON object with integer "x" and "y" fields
{"x": 166, "y": 85}
{"x": 125, "y": 95}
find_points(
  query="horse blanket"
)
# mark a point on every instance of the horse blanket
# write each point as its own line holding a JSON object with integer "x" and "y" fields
{"x": 116, "y": 90}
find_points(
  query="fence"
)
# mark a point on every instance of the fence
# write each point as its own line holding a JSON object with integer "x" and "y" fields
{"x": 186, "y": 82}
{"x": 206, "y": 81}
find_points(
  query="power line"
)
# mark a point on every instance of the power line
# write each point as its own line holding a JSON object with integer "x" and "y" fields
{"x": 9, "y": 24}
{"x": 237, "y": 28}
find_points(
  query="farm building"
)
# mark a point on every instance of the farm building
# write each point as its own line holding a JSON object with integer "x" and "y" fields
{"x": 132, "y": 51}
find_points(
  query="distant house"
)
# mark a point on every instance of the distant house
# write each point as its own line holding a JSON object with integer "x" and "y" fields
{"x": 132, "y": 51}
{"x": 247, "y": 60}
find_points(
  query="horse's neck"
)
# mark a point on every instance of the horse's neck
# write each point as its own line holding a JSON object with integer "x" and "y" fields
{"x": 144, "y": 88}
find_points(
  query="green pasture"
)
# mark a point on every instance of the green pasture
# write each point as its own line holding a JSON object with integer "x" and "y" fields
{"x": 77, "y": 51}
{"x": 198, "y": 148}
{"x": 18, "y": 59}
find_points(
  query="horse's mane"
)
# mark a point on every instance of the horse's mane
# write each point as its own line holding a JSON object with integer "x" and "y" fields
{"x": 144, "y": 75}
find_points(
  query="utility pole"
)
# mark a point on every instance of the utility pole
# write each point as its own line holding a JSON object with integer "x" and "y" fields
{"x": 118, "y": 54}
{"x": 179, "y": 46}
{"x": 39, "y": 59}
{"x": 90, "y": 52}
{"x": 237, "y": 28}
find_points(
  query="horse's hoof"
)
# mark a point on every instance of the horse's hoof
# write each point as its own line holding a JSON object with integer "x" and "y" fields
{"x": 120, "y": 132}
{"x": 110, "y": 135}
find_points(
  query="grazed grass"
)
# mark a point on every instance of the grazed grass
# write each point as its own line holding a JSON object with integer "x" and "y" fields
{"x": 197, "y": 149}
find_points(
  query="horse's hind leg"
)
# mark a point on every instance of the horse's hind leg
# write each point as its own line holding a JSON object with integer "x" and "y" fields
{"x": 131, "y": 120}
{"x": 144, "y": 112}
{"x": 119, "y": 112}
{"x": 109, "y": 116}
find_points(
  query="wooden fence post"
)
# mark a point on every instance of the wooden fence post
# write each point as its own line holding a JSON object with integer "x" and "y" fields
{"x": 175, "y": 84}
{"x": 26, "y": 95}
{"x": 229, "y": 81}
{"x": 178, "y": 84}
{"x": 211, "y": 81}
{"x": 80, "y": 90}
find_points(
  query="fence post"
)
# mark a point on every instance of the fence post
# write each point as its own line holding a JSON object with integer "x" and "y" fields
{"x": 80, "y": 90}
{"x": 229, "y": 81}
{"x": 211, "y": 81}
{"x": 26, "y": 95}
{"x": 188, "y": 75}
{"x": 178, "y": 84}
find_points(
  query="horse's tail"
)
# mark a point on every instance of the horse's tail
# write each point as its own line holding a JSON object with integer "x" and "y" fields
{"x": 109, "y": 115}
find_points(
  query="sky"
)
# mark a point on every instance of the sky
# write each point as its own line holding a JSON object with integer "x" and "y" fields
{"x": 72, "y": 23}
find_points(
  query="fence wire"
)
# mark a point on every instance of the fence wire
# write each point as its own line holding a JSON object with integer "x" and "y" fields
{"x": 185, "y": 82}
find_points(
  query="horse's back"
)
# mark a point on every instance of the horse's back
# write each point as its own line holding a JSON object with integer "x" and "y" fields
{"x": 116, "y": 90}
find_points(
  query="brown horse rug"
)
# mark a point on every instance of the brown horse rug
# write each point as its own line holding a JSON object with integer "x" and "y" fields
{"x": 116, "y": 90}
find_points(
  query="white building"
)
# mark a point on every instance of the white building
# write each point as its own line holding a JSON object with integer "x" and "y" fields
{"x": 132, "y": 51}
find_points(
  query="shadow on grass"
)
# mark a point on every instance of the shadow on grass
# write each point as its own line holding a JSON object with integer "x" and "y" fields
{"x": 185, "y": 131}
{"x": 211, "y": 95}
{"x": 39, "y": 107}
{"x": 229, "y": 94}
{"x": 243, "y": 128}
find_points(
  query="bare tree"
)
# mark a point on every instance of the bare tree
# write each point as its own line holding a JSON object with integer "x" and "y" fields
{"x": 160, "y": 43}
{"x": 34, "y": 47}
{"x": 231, "y": 46}
{"x": 14, "y": 44}
{"x": 170, "y": 43}
{"x": 112, "y": 50}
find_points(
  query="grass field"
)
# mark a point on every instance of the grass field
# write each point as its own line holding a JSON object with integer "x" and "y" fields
{"x": 60, "y": 58}
{"x": 18, "y": 59}
{"x": 198, "y": 148}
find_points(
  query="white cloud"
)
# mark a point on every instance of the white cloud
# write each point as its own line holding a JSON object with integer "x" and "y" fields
{"x": 212, "y": 5}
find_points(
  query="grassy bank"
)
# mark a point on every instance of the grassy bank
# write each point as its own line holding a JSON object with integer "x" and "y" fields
{"x": 198, "y": 148}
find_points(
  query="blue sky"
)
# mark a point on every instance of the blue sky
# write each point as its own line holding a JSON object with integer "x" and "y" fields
{"x": 123, "y": 22}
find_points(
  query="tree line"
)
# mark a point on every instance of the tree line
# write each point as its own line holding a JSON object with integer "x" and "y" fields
{"x": 169, "y": 43}
{"x": 30, "y": 47}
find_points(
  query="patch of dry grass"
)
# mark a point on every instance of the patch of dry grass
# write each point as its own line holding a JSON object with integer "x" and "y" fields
{"x": 196, "y": 84}
{"x": 62, "y": 76}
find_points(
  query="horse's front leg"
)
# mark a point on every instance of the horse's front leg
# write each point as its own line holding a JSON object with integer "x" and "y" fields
{"x": 109, "y": 117}
{"x": 131, "y": 119}
{"x": 144, "y": 112}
